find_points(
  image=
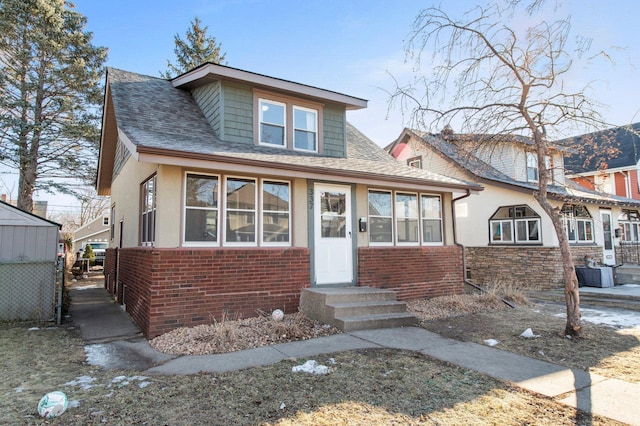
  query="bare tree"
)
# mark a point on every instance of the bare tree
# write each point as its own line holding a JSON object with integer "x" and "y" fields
{"x": 489, "y": 78}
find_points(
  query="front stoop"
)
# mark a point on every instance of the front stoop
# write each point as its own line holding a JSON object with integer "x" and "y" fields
{"x": 355, "y": 308}
{"x": 627, "y": 274}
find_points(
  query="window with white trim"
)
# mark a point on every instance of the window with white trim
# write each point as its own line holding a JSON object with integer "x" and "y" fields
{"x": 431, "y": 213}
{"x": 404, "y": 218}
{"x": 201, "y": 210}
{"x": 407, "y": 218}
{"x": 533, "y": 172}
{"x": 305, "y": 129}
{"x": 578, "y": 223}
{"x": 415, "y": 162}
{"x": 515, "y": 225}
{"x": 148, "y": 212}
{"x": 380, "y": 217}
{"x": 276, "y": 213}
{"x": 236, "y": 211}
{"x": 532, "y": 167}
{"x": 240, "y": 214}
{"x": 272, "y": 123}
{"x": 112, "y": 227}
{"x": 287, "y": 122}
{"x": 629, "y": 221}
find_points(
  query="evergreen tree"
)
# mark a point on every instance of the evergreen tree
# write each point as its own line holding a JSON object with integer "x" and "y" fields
{"x": 50, "y": 94}
{"x": 197, "y": 49}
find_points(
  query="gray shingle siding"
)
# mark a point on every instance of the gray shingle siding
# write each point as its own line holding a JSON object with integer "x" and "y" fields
{"x": 238, "y": 113}
{"x": 208, "y": 98}
{"x": 333, "y": 130}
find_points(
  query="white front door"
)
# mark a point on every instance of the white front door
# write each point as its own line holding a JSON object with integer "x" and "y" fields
{"x": 333, "y": 251}
{"x": 608, "y": 251}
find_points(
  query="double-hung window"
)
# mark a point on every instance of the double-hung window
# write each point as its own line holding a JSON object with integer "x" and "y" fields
{"x": 240, "y": 215}
{"x": 404, "y": 218}
{"x": 431, "y": 213}
{"x": 148, "y": 212}
{"x": 515, "y": 225}
{"x": 578, "y": 223}
{"x": 202, "y": 206}
{"x": 532, "y": 167}
{"x": 629, "y": 220}
{"x": 288, "y": 123}
{"x": 380, "y": 217}
{"x": 272, "y": 123}
{"x": 276, "y": 213}
{"x": 305, "y": 128}
{"x": 407, "y": 222}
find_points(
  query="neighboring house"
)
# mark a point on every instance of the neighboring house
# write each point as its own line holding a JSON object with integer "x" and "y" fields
{"x": 507, "y": 235}
{"x": 613, "y": 170}
{"x": 97, "y": 233}
{"x": 28, "y": 255}
{"x": 233, "y": 191}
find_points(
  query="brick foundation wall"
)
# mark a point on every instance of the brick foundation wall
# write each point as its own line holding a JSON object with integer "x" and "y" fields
{"x": 413, "y": 272}
{"x": 535, "y": 268}
{"x": 169, "y": 288}
{"x": 628, "y": 253}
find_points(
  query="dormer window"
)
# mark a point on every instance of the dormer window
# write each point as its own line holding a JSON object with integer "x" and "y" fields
{"x": 305, "y": 127}
{"x": 533, "y": 173}
{"x": 272, "y": 123}
{"x": 532, "y": 167}
{"x": 288, "y": 123}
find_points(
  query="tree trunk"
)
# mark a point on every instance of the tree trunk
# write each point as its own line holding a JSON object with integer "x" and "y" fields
{"x": 26, "y": 184}
{"x": 571, "y": 288}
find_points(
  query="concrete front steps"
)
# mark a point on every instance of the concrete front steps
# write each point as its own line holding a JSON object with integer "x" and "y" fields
{"x": 355, "y": 308}
{"x": 627, "y": 274}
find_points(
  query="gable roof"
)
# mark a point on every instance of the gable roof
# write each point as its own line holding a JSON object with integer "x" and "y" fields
{"x": 160, "y": 123}
{"x": 464, "y": 160}
{"x": 625, "y": 139}
{"x": 10, "y": 215}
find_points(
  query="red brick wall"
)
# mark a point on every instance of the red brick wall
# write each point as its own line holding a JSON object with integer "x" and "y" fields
{"x": 413, "y": 272}
{"x": 183, "y": 287}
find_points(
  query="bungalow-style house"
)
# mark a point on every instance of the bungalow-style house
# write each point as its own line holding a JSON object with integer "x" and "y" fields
{"x": 234, "y": 191}
{"x": 506, "y": 234}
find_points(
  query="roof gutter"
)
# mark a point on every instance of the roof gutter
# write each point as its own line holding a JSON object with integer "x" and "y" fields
{"x": 155, "y": 153}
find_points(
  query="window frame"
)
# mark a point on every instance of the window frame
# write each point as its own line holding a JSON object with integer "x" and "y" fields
{"x": 239, "y": 211}
{"x": 112, "y": 224}
{"x": 517, "y": 214}
{"x": 291, "y": 104}
{"x": 262, "y": 210}
{"x": 629, "y": 221}
{"x": 261, "y": 102}
{"x": 145, "y": 213}
{"x": 185, "y": 207}
{"x": 572, "y": 222}
{"x": 415, "y": 162}
{"x": 394, "y": 219}
{"x": 295, "y": 108}
{"x": 390, "y": 218}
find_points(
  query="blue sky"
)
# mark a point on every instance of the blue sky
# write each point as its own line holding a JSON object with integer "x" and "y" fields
{"x": 349, "y": 46}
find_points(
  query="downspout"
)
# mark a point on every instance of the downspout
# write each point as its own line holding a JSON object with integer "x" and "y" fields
{"x": 463, "y": 248}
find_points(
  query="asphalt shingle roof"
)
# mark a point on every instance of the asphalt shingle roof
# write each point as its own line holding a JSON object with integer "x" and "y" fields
{"x": 570, "y": 192}
{"x": 626, "y": 140}
{"x": 155, "y": 115}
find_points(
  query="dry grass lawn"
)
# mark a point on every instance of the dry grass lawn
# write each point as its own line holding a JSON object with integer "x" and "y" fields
{"x": 367, "y": 387}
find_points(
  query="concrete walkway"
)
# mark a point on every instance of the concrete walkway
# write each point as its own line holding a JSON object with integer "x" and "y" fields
{"x": 115, "y": 342}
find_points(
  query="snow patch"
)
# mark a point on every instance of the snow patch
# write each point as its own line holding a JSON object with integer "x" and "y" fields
{"x": 311, "y": 367}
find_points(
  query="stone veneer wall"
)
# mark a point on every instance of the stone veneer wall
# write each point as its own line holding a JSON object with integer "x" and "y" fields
{"x": 535, "y": 268}
{"x": 413, "y": 272}
{"x": 164, "y": 289}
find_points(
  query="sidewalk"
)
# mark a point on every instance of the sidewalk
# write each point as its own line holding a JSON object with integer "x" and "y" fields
{"x": 115, "y": 342}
